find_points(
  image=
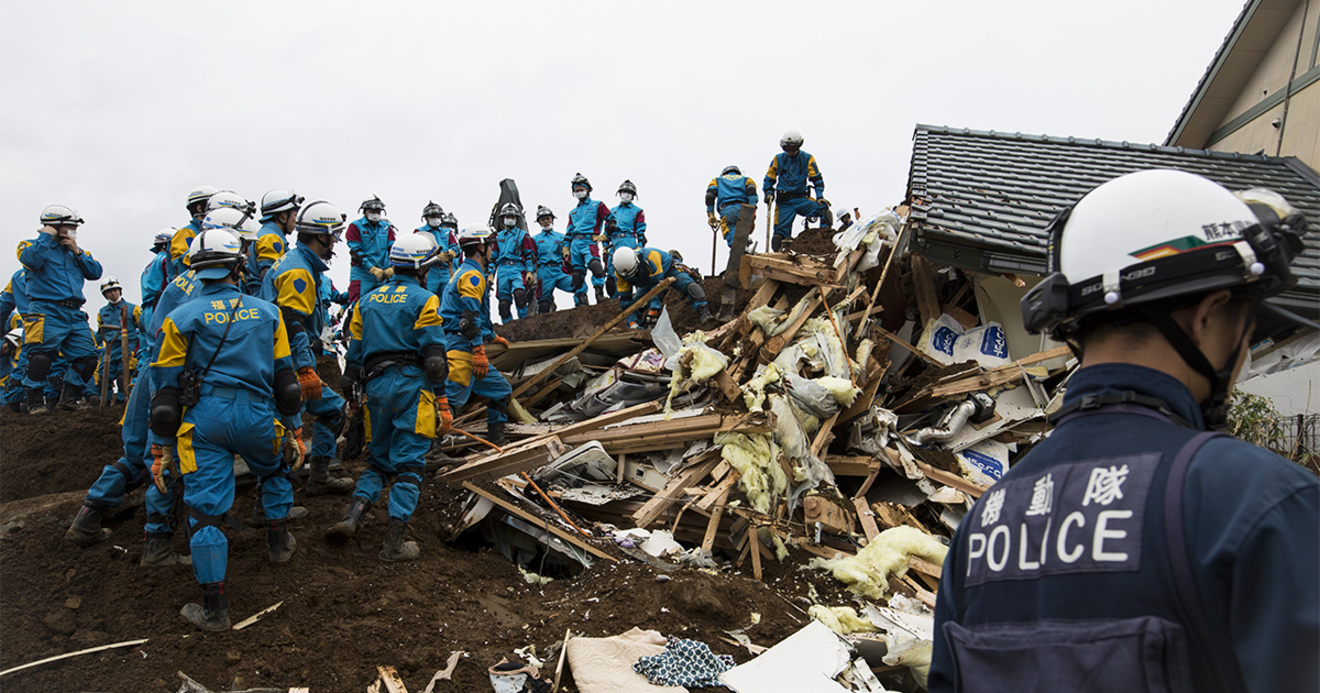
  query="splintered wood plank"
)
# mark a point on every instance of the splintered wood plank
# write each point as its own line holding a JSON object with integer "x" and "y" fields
{"x": 903, "y": 343}
{"x": 538, "y": 521}
{"x": 523, "y": 459}
{"x": 777, "y": 343}
{"x": 726, "y": 386}
{"x": 824, "y": 435}
{"x": 720, "y": 492}
{"x": 923, "y": 285}
{"x": 712, "y": 527}
{"x": 755, "y": 536}
{"x": 674, "y": 489}
{"x": 867, "y": 518}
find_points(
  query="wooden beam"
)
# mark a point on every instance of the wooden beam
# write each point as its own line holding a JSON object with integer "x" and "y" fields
{"x": 720, "y": 492}
{"x": 950, "y": 479}
{"x": 674, "y": 489}
{"x": 713, "y": 525}
{"x": 923, "y": 285}
{"x": 824, "y": 434}
{"x": 867, "y": 518}
{"x": 779, "y": 341}
{"x": 851, "y": 465}
{"x": 903, "y": 343}
{"x": 527, "y": 385}
{"x": 884, "y": 273}
{"x": 522, "y": 459}
{"x": 539, "y": 522}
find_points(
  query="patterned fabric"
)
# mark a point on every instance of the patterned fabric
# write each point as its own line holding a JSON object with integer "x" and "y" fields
{"x": 684, "y": 663}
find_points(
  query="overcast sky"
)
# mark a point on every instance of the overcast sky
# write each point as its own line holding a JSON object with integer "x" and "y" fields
{"x": 118, "y": 109}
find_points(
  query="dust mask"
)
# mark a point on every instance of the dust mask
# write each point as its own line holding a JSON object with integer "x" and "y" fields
{"x": 580, "y": 194}
{"x": 374, "y": 216}
{"x": 433, "y": 221}
{"x": 510, "y": 222}
{"x": 626, "y": 197}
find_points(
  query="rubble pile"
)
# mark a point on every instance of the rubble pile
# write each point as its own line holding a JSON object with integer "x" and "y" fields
{"x": 849, "y": 416}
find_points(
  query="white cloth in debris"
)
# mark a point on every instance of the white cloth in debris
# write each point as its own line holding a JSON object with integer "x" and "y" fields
{"x": 604, "y": 665}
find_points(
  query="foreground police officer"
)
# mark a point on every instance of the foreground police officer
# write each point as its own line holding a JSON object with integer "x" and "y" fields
{"x": 223, "y": 369}
{"x": 397, "y": 348}
{"x": 1133, "y": 550}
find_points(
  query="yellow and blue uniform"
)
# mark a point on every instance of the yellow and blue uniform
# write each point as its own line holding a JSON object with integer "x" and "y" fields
{"x": 584, "y": 221}
{"x": 389, "y": 330}
{"x": 465, "y": 307}
{"x": 727, "y": 194}
{"x": 627, "y": 230}
{"x": 788, "y": 178}
{"x": 293, "y": 284}
{"x": 269, "y": 247}
{"x": 653, "y": 266}
{"x": 235, "y": 414}
{"x": 154, "y": 278}
{"x": 552, "y": 267}
{"x": 368, "y": 246}
{"x": 55, "y": 323}
{"x": 514, "y": 257}
{"x": 179, "y": 244}
{"x": 445, "y": 241}
{"x": 109, "y": 320}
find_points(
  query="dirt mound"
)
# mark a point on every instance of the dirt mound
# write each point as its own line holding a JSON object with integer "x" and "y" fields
{"x": 813, "y": 241}
{"x": 343, "y": 612}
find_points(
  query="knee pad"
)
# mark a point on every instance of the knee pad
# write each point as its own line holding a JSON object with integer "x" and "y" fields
{"x": 578, "y": 278}
{"x": 39, "y": 365}
{"x": 520, "y": 298}
{"x": 597, "y": 269}
{"x": 544, "y": 307}
{"x": 85, "y": 366}
{"x": 504, "y": 307}
{"x": 696, "y": 291}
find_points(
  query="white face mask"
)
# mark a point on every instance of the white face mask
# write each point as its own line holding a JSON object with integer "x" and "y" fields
{"x": 433, "y": 221}
{"x": 546, "y": 224}
{"x": 626, "y": 197}
{"x": 580, "y": 194}
{"x": 510, "y": 222}
{"x": 374, "y": 216}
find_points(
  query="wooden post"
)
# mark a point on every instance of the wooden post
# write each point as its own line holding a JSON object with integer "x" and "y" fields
{"x": 123, "y": 351}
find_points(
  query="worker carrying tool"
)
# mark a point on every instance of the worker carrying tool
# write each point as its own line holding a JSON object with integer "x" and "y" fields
{"x": 515, "y": 264}
{"x": 465, "y": 308}
{"x": 726, "y": 195}
{"x": 552, "y": 254}
{"x": 294, "y": 284}
{"x": 369, "y": 240}
{"x": 642, "y": 269}
{"x": 54, "y": 325}
{"x": 585, "y": 222}
{"x": 224, "y": 378}
{"x": 785, "y": 185}
{"x": 1134, "y": 546}
{"x": 396, "y": 351}
{"x": 117, "y": 314}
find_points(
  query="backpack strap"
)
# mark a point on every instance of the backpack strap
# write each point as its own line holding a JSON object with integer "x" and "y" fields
{"x": 1189, "y": 596}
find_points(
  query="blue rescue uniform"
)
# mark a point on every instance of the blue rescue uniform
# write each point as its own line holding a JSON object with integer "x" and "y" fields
{"x": 552, "y": 267}
{"x": 445, "y": 241}
{"x": 584, "y": 221}
{"x": 788, "y": 178}
{"x": 655, "y": 265}
{"x": 154, "y": 278}
{"x": 270, "y": 246}
{"x": 55, "y": 323}
{"x": 369, "y": 246}
{"x": 628, "y": 231}
{"x": 179, "y": 244}
{"x": 727, "y": 194}
{"x": 468, "y": 295}
{"x": 235, "y": 414}
{"x": 109, "y": 320}
{"x": 513, "y": 259}
{"x": 390, "y": 328}
{"x": 1062, "y": 575}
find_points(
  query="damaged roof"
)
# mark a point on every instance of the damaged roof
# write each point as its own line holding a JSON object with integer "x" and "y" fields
{"x": 981, "y": 199}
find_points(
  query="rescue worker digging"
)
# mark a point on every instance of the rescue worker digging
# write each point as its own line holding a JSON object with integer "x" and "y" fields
{"x": 397, "y": 350}
{"x": 642, "y": 269}
{"x": 1132, "y": 549}
{"x": 224, "y": 369}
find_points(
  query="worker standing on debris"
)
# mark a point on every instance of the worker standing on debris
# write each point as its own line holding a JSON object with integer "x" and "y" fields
{"x": 515, "y": 262}
{"x": 397, "y": 352}
{"x": 443, "y": 230}
{"x": 224, "y": 369}
{"x": 785, "y": 185}
{"x": 727, "y": 194}
{"x": 626, "y": 227}
{"x": 552, "y": 255}
{"x": 156, "y": 274}
{"x": 55, "y": 325}
{"x": 585, "y": 222}
{"x": 182, "y": 239}
{"x": 369, "y": 240}
{"x": 117, "y": 314}
{"x": 294, "y": 284}
{"x": 1131, "y": 545}
{"x": 465, "y": 307}
{"x": 279, "y": 211}
{"x": 642, "y": 269}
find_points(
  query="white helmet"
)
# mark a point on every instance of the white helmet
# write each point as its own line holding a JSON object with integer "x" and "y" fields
{"x": 201, "y": 194}
{"x": 475, "y": 235}
{"x": 277, "y": 201}
{"x": 214, "y": 252}
{"x": 59, "y": 215}
{"x": 109, "y": 284}
{"x": 792, "y": 138}
{"x": 164, "y": 236}
{"x": 231, "y": 199}
{"x": 320, "y": 218}
{"x": 236, "y": 220}
{"x": 841, "y": 212}
{"x": 15, "y": 337}
{"x": 625, "y": 261}
{"x": 415, "y": 250}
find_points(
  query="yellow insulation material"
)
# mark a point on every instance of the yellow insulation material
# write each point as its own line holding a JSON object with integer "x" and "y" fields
{"x": 763, "y": 480}
{"x": 841, "y": 619}
{"x": 868, "y": 572}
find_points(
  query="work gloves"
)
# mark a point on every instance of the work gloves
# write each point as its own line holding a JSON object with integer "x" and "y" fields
{"x": 712, "y": 220}
{"x": 480, "y": 365}
{"x": 445, "y": 256}
{"x": 295, "y": 450}
{"x": 769, "y": 197}
{"x": 163, "y": 458}
{"x": 444, "y": 419}
{"x": 382, "y": 275}
{"x": 599, "y": 238}
{"x": 499, "y": 340}
{"x": 310, "y": 383}
{"x": 566, "y": 253}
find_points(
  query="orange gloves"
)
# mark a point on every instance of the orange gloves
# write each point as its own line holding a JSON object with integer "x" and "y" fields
{"x": 444, "y": 419}
{"x": 163, "y": 456}
{"x": 310, "y": 383}
{"x": 500, "y": 340}
{"x": 480, "y": 366}
{"x": 295, "y": 451}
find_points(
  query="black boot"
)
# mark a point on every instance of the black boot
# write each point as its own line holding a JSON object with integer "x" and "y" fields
{"x": 158, "y": 554}
{"x": 69, "y": 397}
{"x": 213, "y": 613}
{"x": 506, "y": 314}
{"x": 36, "y": 401}
{"x": 279, "y": 543}
{"x": 258, "y": 518}
{"x": 86, "y": 528}
{"x": 579, "y": 300}
{"x": 94, "y": 400}
{"x": 319, "y": 481}
{"x": 543, "y": 307}
{"x": 776, "y": 243}
{"x": 396, "y": 549}
{"x": 703, "y": 313}
{"x": 600, "y": 295}
{"x": 495, "y": 433}
{"x": 351, "y": 523}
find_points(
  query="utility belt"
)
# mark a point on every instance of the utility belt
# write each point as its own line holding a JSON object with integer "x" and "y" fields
{"x": 580, "y": 236}
{"x": 73, "y": 303}
{"x": 735, "y": 203}
{"x": 554, "y": 263}
{"x": 238, "y": 394}
{"x": 786, "y": 196}
{"x": 379, "y": 363}
{"x": 508, "y": 263}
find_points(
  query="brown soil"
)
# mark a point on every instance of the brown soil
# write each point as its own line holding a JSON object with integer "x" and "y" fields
{"x": 813, "y": 241}
{"x": 344, "y": 611}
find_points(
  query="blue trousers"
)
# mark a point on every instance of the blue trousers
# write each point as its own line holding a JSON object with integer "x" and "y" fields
{"x": 328, "y": 412}
{"x": 213, "y": 431}
{"x": 508, "y": 279}
{"x": 681, "y": 284}
{"x": 551, "y": 277}
{"x": 581, "y": 251}
{"x": 787, "y": 211}
{"x": 493, "y": 387}
{"x": 729, "y": 222}
{"x": 401, "y": 418}
{"x": 56, "y": 330}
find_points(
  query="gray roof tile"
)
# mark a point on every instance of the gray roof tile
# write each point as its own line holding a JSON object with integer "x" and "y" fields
{"x": 981, "y": 199}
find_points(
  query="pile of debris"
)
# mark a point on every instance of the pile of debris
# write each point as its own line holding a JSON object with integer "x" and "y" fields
{"x": 850, "y": 413}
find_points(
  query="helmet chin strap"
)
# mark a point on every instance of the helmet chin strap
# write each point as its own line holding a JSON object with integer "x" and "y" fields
{"x": 1214, "y": 409}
